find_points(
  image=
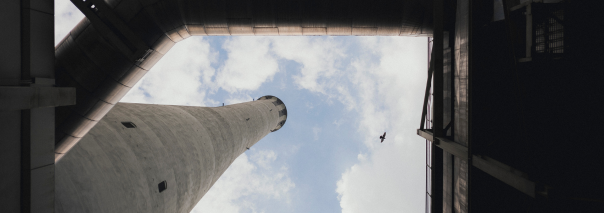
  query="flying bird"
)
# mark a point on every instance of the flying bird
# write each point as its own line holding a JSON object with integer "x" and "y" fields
{"x": 383, "y": 137}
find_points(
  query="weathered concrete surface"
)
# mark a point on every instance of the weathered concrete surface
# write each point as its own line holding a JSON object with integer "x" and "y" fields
{"x": 118, "y": 169}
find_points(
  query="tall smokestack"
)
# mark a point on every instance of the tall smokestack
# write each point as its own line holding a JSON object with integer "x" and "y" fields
{"x": 159, "y": 158}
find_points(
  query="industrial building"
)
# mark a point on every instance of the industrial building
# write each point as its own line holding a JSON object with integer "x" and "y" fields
{"x": 511, "y": 110}
{"x": 511, "y": 92}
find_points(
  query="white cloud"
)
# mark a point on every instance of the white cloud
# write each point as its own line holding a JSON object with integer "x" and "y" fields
{"x": 67, "y": 16}
{"x": 239, "y": 98}
{"x": 320, "y": 57}
{"x": 249, "y": 64}
{"x": 315, "y": 131}
{"x": 264, "y": 158}
{"x": 245, "y": 182}
{"x": 383, "y": 86}
{"x": 181, "y": 77}
{"x": 185, "y": 76}
{"x": 390, "y": 178}
{"x": 382, "y": 183}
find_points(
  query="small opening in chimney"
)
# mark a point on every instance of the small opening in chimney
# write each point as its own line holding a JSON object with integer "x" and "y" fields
{"x": 162, "y": 186}
{"x": 129, "y": 124}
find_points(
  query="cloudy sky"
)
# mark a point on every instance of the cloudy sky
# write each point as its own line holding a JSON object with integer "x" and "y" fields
{"x": 341, "y": 94}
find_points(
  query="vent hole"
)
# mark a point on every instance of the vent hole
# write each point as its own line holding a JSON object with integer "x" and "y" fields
{"x": 282, "y": 112}
{"x": 129, "y": 124}
{"x": 277, "y": 102}
{"x": 162, "y": 186}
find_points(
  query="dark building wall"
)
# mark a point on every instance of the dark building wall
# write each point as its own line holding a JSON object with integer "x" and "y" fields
{"x": 532, "y": 114}
{"x": 118, "y": 169}
{"x": 461, "y": 104}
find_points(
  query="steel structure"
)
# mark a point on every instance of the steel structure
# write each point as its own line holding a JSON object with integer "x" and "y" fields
{"x": 505, "y": 119}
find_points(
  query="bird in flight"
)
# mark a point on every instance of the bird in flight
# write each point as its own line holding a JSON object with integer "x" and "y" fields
{"x": 383, "y": 137}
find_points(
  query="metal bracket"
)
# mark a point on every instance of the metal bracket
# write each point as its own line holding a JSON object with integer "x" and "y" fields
{"x": 19, "y": 98}
{"x": 445, "y": 144}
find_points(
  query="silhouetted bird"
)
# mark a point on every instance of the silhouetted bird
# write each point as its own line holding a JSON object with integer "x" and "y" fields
{"x": 383, "y": 137}
{"x": 247, "y": 148}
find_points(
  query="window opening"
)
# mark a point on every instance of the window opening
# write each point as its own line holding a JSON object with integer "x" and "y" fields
{"x": 283, "y": 112}
{"x": 129, "y": 124}
{"x": 162, "y": 186}
{"x": 277, "y": 102}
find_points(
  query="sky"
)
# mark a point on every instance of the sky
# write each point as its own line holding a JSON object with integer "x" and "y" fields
{"x": 341, "y": 93}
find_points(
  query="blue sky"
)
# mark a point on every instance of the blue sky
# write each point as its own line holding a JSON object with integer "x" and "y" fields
{"x": 341, "y": 94}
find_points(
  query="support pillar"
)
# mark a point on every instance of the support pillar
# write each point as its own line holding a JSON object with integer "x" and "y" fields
{"x": 27, "y": 101}
{"x": 437, "y": 106}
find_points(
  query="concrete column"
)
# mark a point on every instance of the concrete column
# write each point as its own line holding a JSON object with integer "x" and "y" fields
{"x": 121, "y": 163}
{"x": 27, "y": 111}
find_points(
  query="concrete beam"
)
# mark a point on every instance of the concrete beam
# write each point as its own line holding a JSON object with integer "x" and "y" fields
{"x": 445, "y": 144}
{"x": 453, "y": 148}
{"x": 18, "y": 98}
{"x": 505, "y": 173}
{"x": 498, "y": 170}
{"x": 425, "y": 134}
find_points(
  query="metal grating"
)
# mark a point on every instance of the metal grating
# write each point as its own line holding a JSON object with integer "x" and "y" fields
{"x": 548, "y": 30}
{"x": 540, "y": 27}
